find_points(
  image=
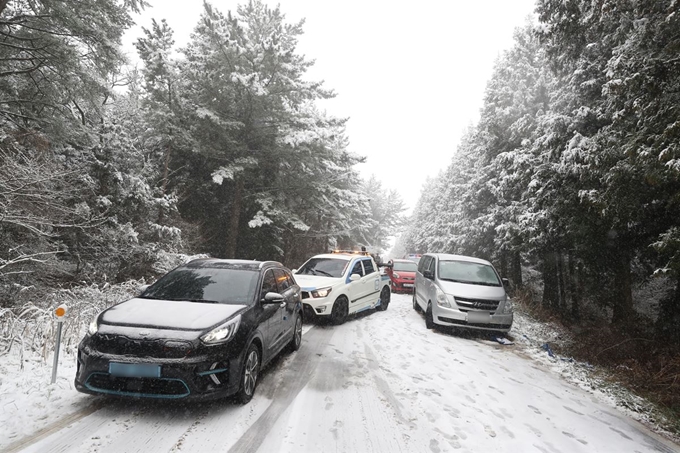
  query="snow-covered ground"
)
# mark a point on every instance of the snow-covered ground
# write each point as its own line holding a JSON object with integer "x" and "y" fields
{"x": 380, "y": 382}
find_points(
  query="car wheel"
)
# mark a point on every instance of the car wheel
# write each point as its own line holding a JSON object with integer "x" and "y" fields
{"x": 385, "y": 296}
{"x": 339, "y": 311}
{"x": 249, "y": 375}
{"x": 429, "y": 319}
{"x": 296, "y": 341}
{"x": 416, "y": 307}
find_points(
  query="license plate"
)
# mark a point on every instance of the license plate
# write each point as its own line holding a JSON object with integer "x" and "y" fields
{"x": 407, "y": 285}
{"x": 478, "y": 317}
{"x": 143, "y": 370}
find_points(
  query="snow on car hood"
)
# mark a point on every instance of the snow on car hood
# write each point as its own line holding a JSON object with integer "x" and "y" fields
{"x": 307, "y": 282}
{"x": 472, "y": 291}
{"x": 165, "y": 314}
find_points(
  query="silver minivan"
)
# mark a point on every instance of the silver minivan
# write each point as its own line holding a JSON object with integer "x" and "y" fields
{"x": 461, "y": 291}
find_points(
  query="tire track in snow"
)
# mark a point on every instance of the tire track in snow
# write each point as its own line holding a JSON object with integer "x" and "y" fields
{"x": 294, "y": 379}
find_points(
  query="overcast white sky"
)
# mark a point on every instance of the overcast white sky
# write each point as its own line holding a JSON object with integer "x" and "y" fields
{"x": 409, "y": 76}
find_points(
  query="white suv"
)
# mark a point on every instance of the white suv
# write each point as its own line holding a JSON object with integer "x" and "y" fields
{"x": 461, "y": 291}
{"x": 337, "y": 284}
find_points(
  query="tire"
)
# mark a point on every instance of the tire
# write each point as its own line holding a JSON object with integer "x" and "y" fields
{"x": 385, "y": 296}
{"x": 340, "y": 311}
{"x": 429, "y": 319}
{"x": 416, "y": 307}
{"x": 249, "y": 374}
{"x": 296, "y": 341}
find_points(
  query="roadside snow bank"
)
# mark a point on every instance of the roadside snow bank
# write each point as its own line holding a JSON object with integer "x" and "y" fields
{"x": 537, "y": 339}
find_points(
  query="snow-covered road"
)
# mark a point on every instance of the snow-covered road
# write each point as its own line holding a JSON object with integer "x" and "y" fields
{"x": 379, "y": 383}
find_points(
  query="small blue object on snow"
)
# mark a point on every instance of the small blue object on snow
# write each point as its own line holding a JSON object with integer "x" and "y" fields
{"x": 546, "y": 346}
{"x": 502, "y": 340}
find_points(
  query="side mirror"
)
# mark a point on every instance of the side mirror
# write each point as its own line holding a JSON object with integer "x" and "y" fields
{"x": 505, "y": 281}
{"x": 141, "y": 289}
{"x": 272, "y": 298}
{"x": 294, "y": 271}
{"x": 428, "y": 274}
{"x": 354, "y": 277}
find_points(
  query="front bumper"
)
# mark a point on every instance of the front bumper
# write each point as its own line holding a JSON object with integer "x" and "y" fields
{"x": 320, "y": 306}
{"x": 483, "y": 320}
{"x": 402, "y": 285}
{"x": 201, "y": 376}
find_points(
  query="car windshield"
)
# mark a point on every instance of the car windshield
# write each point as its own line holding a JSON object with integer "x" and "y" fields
{"x": 224, "y": 286}
{"x": 467, "y": 272}
{"x": 327, "y": 267}
{"x": 405, "y": 267}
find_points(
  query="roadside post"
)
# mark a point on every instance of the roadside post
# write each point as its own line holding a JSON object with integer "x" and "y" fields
{"x": 59, "y": 313}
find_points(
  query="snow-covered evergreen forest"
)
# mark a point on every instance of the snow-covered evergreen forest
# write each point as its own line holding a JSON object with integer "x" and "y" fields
{"x": 217, "y": 147}
{"x": 574, "y": 166}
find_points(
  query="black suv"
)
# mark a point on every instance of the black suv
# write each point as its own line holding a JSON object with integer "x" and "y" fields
{"x": 203, "y": 330}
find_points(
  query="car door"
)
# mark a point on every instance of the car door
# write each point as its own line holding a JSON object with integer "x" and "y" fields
{"x": 272, "y": 314}
{"x": 423, "y": 285}
{"x": 291, "y": 293}
{"x": 370, "y": 284}
{"x": 355, "y": 288}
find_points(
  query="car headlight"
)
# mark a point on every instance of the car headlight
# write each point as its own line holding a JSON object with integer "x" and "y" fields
{"x": 442, "y": 299}
{"x": 321, "y": 292}
{"x": 508, "y": 306}
{"x": 223, "y": 333}
{"x": 395, "y": 275}
{"x": 94, "y": 326}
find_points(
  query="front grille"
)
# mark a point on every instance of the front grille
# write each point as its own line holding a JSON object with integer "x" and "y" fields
{"x": 151, "y": 387}
{"x": 121, "y": 345}
{"x": 477, "y": 304}
{"x": 409, "y": 278}
{"x": 474, "y": 324}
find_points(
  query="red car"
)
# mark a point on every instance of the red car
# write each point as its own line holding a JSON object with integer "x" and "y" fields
{"x": 402, "y": 275}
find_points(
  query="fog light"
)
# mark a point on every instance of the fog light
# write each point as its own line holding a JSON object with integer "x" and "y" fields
{"x": 320, "y": 309}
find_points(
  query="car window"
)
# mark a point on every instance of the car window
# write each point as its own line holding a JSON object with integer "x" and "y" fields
{"x": 326, "y": 267}
{"x": 467, "y": 272}
{"x": 268, "y": 284}
{"x": 431, "y": 264}
{"x": 405, "y": 266}
{"x": 226, "y": 286}
{"x": 281, "y": 280}
{"x": 368, "y": 266}
{"x": 424, "y": 262}
{"x": 357, "y": 269}
{"x": 289, "y": 277}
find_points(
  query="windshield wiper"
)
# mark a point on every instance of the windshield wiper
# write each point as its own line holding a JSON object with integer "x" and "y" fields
{"x": 324, "y": 273}
{"x": 205, "y": 301}
{"x": 453, "y": 280}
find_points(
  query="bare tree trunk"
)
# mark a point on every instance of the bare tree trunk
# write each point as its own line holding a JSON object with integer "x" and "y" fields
{"x": 504, "y": 263}
{"x": 623, "y": 303}
{"x": 573, "y": 287}
{"x": 516, "y": 269}
{"x": 562, "y": 283}
{"x": 234, "y": 220}
{"x": 164, "y": 186}
{"x": 550, "y": 284}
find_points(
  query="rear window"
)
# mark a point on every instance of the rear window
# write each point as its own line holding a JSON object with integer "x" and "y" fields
{"x": 467, "y": 272}
{"x": 224, "y": 286}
